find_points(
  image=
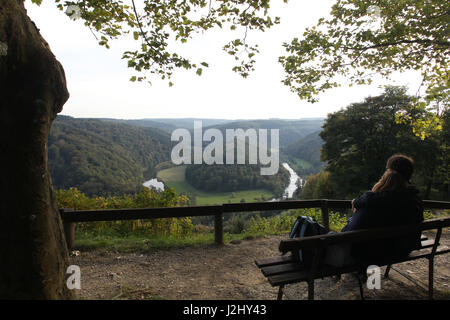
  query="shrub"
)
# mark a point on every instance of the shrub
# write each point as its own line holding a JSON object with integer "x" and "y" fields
{"x": 146, "y": 198}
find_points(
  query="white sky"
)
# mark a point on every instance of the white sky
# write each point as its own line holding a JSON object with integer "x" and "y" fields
{"x": 99, "y": 86}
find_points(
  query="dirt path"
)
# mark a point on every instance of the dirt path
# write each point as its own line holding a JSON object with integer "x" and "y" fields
{"x": 229, "y": 272}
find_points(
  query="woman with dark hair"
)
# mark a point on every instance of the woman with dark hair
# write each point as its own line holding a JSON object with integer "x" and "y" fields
{"x": 391, "y": 202}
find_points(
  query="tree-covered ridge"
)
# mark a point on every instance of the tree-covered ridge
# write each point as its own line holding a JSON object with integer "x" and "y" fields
{"x": 234, "y": 177}
{"x": 306, "y": 148}
{"x": 359, "y": 140}
{"x": 101, "y": 158}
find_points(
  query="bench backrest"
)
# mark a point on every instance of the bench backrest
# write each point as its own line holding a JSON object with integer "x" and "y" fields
{"x": 326, "y": 240}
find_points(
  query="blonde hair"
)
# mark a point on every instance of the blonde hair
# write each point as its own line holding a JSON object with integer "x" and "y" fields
{"x": 391, "y": 180}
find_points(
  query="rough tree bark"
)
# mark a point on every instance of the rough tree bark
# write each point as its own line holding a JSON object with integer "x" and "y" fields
{"x": 33, "y": 254}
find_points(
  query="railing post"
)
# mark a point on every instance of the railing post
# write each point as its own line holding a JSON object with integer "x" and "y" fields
{"x": 325, "y": 218}
{"x": 69, "y": 230}
{"x": 218, "y": 227}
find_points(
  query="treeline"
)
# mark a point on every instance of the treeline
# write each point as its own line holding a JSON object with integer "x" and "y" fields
{"x": 224, "y": 178}
{"x": 359, "y": 139}
{"x": 104, "y": 158}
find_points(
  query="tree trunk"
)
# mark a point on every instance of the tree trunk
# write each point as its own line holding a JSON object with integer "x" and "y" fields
{"x": 33, "y": 254}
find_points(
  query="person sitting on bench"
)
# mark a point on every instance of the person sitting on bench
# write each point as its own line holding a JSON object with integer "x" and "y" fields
{"x": 393, "y": 201}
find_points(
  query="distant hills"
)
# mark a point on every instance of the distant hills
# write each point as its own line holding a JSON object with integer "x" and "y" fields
{"x": 168, "y": 124}
{"x": 290, "y": 130}
{"x": 114, "y": 156}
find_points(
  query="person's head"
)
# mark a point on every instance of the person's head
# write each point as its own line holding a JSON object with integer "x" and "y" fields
{"x": 399, "y": 169}
{"x": 402, "y": 164}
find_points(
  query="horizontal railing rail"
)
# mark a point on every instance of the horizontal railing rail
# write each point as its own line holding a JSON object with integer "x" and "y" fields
{"x": 70, "y": 217}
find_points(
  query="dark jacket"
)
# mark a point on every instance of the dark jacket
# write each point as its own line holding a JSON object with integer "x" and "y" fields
{"x": 386, "y": 209}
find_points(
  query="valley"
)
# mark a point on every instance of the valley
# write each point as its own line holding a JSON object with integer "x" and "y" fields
{"x": 102, "y": 157}
{"x": 175, "y": 177}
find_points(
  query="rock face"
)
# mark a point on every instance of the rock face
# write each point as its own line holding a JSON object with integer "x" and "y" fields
{"x": 33, "y": 90}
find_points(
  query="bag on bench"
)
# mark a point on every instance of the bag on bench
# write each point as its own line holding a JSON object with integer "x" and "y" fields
{"x": 305, "y": 227}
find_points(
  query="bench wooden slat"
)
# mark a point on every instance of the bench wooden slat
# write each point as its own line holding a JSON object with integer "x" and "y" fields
{"x": 281, "y": 268}
{"x": 274, "y": 261}
{"x": 288, "y": 278}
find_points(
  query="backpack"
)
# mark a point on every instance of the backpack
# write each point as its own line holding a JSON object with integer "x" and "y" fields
{"x": 305, "y": 227}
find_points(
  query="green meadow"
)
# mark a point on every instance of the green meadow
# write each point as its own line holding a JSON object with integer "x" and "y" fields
{"x": 175, "y": 177}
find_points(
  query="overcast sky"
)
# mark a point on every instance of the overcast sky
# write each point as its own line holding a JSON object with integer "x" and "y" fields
{"x": 98, "y": 80}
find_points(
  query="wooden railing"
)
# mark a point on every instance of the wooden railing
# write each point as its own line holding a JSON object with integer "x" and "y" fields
{"x": 70, "y": 217}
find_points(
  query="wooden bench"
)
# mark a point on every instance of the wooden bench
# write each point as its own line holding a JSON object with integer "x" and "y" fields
{"x": 284, "y": 269}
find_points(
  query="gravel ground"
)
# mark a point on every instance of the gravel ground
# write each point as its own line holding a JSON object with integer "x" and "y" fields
{"x": 228, "y": 272}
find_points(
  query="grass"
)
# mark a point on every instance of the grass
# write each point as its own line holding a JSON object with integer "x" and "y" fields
{"x": 175, "y": 178}
{"x": 135, "y": 242}
{"x": 142, "y": 243}
{"x": 174, "y": 174}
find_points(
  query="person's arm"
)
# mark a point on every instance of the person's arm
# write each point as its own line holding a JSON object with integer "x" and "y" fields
{"x": 360, "y": 201}
{"x": 359, "y": 220}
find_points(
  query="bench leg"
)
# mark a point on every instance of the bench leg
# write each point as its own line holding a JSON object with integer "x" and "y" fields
{"x": 431, "y": 263}
{"x": 430, "y": 278}
{"x": 361, "y": 290}
{"x": 311, "y": 290}
{"x": 280, "y": 293}
{"x": 386, "y": 273}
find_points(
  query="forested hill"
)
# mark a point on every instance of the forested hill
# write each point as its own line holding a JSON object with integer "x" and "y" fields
{"x": 100, "y": 157}
{"x": 306, "y": 148}
{"x": 223, "y": 178}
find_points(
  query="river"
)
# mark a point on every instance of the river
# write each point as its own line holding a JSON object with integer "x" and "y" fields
{"x": 288, "y": 193}
{"x": 158, "y": 185}
{"x": 294, "y": 178}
